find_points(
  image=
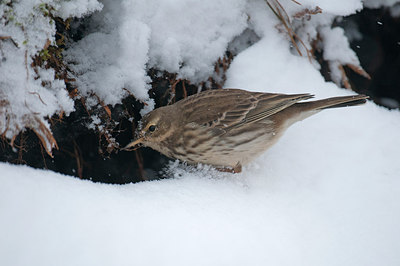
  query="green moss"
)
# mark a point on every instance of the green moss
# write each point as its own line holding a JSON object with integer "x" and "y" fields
{"x": 46, "y": 9}
{"x": 44, "y": 54}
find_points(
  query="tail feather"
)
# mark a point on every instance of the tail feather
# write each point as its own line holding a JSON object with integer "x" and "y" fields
{"x": 334, "y": 102}
{"x": 300, "y": 111}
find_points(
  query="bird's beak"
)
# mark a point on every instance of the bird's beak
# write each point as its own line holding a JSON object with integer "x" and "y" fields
{"x": 131, "y": 146}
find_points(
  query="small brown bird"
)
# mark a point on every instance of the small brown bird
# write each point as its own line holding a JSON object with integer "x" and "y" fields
{"x": 227, "y": 128}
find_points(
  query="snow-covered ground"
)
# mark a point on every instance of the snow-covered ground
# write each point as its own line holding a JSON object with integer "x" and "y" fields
{"x": 328, "y": 193}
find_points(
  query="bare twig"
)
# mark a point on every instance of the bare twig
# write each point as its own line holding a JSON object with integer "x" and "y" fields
{"x": 281, "y": 14}
{"x": 359, "y": 70}
{"x": 45, "y": 136}
{"x": 105, "y": 107}
{"x": 345, "y": 79}
{"x": 139, "y": 159}
{"x": 44, "y": 160}
{"x": 309, "y": 12}
{"x": 78, "y": 158}
{"x": 184, "y": 90}
{"x": 37, "y": 94}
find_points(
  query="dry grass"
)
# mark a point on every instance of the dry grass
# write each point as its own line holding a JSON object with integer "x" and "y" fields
{"x": 285, "y": 20}
{"x": 305, "y": 15}
{"x": 32, "y": 121}
{"x": 44, "y": 134}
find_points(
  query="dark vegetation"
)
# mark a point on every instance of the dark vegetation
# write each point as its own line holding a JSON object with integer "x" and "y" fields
{"x": 379, "y": 54}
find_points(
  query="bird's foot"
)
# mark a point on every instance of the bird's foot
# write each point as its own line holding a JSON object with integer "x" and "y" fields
{"x": 234, "y": 170}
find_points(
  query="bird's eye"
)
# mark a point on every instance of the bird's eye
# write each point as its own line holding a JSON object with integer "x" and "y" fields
{"x": 152, "y": 128}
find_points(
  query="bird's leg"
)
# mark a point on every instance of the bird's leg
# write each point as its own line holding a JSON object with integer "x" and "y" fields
{"x": 238, "y": 168}
{"x": 235, "y": 170}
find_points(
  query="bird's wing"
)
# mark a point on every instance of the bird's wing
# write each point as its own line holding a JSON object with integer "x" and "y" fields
{"x": 230, "y": 108}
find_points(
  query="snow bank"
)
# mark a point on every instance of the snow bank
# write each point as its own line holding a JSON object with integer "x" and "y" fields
{"x": 327, "y": 194}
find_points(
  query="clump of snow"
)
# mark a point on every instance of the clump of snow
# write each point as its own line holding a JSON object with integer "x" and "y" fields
{"x": 380, "y": 3}
{"x": 76, "y": 8}
{"x": 29, "y": 94}
{"x": 337, "y": 51}
{"x": 149, "y": 106}
{"x": 338, "y": 8}
{"x": 392, "y": 5}
{"x": 186, "y": 37}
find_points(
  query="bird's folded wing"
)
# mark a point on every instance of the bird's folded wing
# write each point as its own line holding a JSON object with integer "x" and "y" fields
{"x": 230, "y": 108}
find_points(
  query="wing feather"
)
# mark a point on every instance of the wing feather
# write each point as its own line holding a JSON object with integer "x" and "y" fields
{"x": 231, "y": 108}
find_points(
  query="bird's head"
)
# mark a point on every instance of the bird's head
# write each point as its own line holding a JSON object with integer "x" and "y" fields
{"x": 153, "y": 128}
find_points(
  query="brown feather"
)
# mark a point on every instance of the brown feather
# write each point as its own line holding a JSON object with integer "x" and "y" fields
{"x": 230, "y": 108}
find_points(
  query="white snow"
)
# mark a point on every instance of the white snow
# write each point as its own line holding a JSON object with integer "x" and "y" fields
{"x": 76, "y": 8}
{"x": 185, "y": 37}
{"x": 339, "y": 8}
{"x": 328, "y": 193}
{"x": 380, "y": 3}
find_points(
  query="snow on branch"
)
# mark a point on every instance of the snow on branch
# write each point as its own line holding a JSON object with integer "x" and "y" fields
{"x": 30, "y": 93}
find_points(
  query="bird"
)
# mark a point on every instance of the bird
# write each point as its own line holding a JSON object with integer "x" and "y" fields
{"x": 227, "y": 128}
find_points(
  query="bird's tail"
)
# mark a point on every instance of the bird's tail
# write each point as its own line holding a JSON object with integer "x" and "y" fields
{"x": 300, "y": 111}
{"x": 334, "y": 102}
